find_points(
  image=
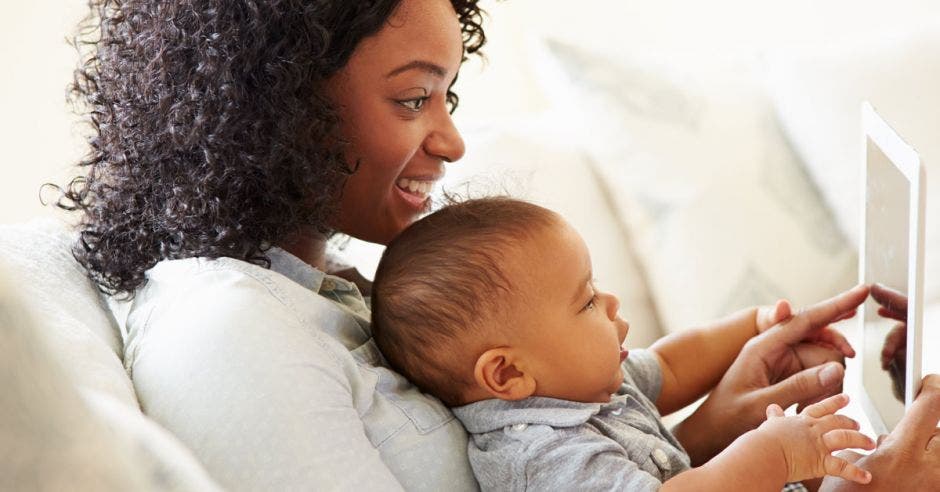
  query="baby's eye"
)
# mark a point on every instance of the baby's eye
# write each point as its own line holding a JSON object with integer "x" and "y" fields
{"x": 592, "y": 303}
{"x": 414, "y": 104}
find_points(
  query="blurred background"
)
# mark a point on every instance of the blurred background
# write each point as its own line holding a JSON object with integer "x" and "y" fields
{"x": 40, "y": 141}
{"x": 708, "y": 151}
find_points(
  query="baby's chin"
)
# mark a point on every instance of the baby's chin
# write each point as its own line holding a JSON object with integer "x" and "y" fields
{"x": 615, "y": 386}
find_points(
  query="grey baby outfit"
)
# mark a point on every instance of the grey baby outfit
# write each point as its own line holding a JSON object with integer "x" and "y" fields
{"x": 549, "y": 444}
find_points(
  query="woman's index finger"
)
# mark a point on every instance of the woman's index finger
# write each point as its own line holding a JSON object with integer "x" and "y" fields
{"x": 889, "y": 298}
{"x": 823, "y": 313}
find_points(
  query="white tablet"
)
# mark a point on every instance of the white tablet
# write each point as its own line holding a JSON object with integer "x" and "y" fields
{"x": 891, "y": 256}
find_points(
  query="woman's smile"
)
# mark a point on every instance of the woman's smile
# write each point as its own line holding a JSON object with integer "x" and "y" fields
{"x": 416, "y": 191}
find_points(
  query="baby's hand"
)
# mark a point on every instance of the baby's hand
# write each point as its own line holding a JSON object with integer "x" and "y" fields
{"x": 808, "y": 440}
{"x": 769, "y": 316}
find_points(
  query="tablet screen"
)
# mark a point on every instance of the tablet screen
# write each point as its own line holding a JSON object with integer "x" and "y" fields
{"x": 887, "y": 234}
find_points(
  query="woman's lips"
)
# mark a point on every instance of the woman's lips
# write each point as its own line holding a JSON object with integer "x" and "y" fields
{"x": 623, "y": 354}
{"x": 415, "y": 191}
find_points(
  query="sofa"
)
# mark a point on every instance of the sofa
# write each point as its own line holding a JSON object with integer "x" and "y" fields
{"x": 699, "y": 191}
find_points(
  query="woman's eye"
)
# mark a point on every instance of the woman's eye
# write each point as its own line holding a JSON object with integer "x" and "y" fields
{"x": 414, "y": 104}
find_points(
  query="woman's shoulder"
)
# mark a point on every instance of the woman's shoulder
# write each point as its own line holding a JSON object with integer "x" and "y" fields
{"x": 237, "y": 299}
{"x": 223, "y": 282}
{"x": 208, "y": 336}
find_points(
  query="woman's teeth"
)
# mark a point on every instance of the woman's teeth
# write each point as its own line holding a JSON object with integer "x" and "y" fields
{"x": 415, "y": 187}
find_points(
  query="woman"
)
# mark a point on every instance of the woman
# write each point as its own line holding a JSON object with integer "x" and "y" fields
{"x": 232, "y": 139}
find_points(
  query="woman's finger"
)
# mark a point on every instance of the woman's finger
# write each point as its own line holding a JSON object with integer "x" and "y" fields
{"x": 821, "y": 314}
{"x": 891, "y": 314}
{"x": 917, "y": 425}
{"x": 828, "y": 406}
{"x": 839, "y": 439}
{"x": 846, "y": 315}
{"x": 933, "y": 444}
{"x": 881, "y": 438}
{"x": 889, "y": 298}
{"x": 834, "y": 337}
{"x": 806, "y": 385}
{"x": 841, "y": 468}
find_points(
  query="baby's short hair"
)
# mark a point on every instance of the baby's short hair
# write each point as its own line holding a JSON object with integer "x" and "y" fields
{"x": 442, "y": 281}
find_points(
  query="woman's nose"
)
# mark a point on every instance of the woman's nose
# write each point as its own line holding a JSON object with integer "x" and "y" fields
{"x": 444, "y": 141}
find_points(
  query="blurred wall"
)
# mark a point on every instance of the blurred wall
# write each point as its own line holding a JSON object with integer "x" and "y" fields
{"x": 37, "y": 134}
{"x": 41, "y": 142}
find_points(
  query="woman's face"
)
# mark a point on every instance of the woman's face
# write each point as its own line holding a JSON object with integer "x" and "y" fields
{"x": 391, "y": 97}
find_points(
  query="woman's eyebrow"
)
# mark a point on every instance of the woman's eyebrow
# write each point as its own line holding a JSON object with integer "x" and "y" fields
{"x": 425, "y": 66}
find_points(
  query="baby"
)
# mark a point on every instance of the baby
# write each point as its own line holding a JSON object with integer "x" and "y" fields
{"x": 490, "y": 305}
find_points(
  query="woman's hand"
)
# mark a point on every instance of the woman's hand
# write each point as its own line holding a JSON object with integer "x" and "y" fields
{"x": 909, "y": 457}
{"x": 776, "y": 366}
{"x": 816, "y": 349}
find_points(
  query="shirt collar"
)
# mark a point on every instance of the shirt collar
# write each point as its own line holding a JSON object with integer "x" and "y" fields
{"x": 488, "y": 415}
{"x": 301, "y": 272}
{"x": 295, "y": 269}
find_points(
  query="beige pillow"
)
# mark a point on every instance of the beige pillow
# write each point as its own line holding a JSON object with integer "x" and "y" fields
{"x": 720, "y": 210}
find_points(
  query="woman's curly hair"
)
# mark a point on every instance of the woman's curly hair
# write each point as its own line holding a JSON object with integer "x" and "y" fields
{"x": 211, "y": 133}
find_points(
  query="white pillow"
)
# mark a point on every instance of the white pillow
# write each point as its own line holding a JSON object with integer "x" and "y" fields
{"x": 718, "y": 208}
{"x": 531, "y": 158}
{"x": 818, "y": 100}
{"x": 70, "y": 313}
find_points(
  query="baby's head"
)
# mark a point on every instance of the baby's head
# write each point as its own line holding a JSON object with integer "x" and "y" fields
{"x": 494, "y": 298}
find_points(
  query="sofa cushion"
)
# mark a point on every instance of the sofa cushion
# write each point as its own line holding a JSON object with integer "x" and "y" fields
{"x": 818, "y": 95}
{"x": 719, "y": 208}
{"x": 69, "y": 312}
{"x": 54, "y": 436}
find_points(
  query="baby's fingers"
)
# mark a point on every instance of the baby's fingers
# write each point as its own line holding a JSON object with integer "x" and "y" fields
{"x": 838, "y": 439}
{"x": 827, "y": 407}
{"x": 774, "y": 410}
{"x": 841, "y": 468}
{"x": 834, "y": 422}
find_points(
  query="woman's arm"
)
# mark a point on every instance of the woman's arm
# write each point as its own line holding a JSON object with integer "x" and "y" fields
{"x": 262, "y": 400}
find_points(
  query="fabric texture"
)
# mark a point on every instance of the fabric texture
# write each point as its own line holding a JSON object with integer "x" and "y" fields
{"x": 55, "y": 435}
{"x": 549, "y": 444}
{"x": 718, "y": 207}
{"x": 817, "y": 97}
{"x": 272, "y": 379}
{"x": 70, "y": 314}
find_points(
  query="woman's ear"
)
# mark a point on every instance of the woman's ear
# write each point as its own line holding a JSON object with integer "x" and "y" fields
{"x": 497, "y": 371}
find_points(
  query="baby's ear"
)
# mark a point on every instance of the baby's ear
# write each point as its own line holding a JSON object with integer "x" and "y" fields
{"x": 497, "y": 373}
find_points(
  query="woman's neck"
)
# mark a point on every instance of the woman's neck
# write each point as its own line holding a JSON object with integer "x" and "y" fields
{"x": 309, "y": 247}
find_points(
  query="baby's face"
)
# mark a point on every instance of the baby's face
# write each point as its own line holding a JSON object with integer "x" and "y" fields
{"x": 570, "y": 332}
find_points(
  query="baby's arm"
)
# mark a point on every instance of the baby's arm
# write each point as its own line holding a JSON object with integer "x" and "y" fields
{"x": 693, "y": 361}
{"x": 783, "y": 449}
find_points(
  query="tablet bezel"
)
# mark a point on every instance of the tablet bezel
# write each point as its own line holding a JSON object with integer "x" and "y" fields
{"x": 906, "y": 160}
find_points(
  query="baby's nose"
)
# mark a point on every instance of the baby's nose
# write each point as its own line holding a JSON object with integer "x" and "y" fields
{"x": 613, "y": 306}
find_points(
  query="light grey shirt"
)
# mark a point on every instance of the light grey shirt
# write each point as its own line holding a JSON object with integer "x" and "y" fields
{"x": 550, "y": 444}
{"x": 273, "y": 380}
